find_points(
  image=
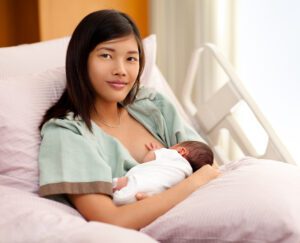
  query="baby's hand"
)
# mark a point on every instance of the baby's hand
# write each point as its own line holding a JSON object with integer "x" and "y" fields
{"x": 119, "y": 183}
{"x": 140, "y": 196}
{"x": 152, "y": 146}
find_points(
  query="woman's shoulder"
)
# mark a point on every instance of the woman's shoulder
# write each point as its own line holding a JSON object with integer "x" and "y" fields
{"x": 150, "y": 95}
{"x": 70, "y": 122}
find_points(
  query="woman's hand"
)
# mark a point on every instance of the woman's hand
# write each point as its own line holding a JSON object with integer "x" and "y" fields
{"x": 203, "y": 175}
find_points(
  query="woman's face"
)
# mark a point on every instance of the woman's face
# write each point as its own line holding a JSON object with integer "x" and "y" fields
{"x": 113, "y": 67}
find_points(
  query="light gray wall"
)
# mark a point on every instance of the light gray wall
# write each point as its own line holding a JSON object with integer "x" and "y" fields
{"x": 268, "y": 54}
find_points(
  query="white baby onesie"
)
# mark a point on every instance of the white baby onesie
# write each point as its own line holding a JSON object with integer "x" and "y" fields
{"x": 155, "y": 176}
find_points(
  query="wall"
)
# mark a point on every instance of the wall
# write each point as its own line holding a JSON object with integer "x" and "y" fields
{"x": 18, "y": 22}
{"x": 268, "y": 50}
{"x": 37, "y": 20}
{"x": 59, "y": 17}
{"x": 6, "y": 18}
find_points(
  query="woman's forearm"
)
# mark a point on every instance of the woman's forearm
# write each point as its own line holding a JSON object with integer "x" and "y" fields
{"x": 142, "y": 213}
{"x": 139, "y": 214}
{"x": 147, "y": 210}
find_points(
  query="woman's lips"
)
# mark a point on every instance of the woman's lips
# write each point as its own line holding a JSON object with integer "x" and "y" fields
{"x": 116, "y": 84}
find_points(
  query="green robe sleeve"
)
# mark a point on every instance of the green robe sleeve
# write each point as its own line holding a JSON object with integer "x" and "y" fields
{"x": 70, "y": 161}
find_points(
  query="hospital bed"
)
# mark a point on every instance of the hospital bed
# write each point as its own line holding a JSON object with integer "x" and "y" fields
{"x": 257, "y": 199}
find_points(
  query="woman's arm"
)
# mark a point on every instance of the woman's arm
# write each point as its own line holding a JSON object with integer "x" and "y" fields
{"x": 98, "y": 207}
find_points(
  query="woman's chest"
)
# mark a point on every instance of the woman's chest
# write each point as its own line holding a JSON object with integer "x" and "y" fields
{"x": 134, "y": 136}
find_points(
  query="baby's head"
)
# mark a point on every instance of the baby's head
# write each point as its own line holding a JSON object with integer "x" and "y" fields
{"x": 197, "y": 153}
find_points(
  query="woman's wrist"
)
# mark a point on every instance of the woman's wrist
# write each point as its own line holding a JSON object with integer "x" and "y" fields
{"x": 202, "y": 176}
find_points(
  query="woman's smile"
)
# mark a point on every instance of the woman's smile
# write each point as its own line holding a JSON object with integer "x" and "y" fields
{"x": 117, "y": 84}
{"x": 113, "y": 68}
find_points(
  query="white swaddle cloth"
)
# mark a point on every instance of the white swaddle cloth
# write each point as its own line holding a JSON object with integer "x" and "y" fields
{"x": 155, "y": 176}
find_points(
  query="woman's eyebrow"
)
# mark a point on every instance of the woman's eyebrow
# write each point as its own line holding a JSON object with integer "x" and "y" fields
{"x": 133, "y": 52}
{"x": 105, "y": 48}
{"x": 113, "y": 50}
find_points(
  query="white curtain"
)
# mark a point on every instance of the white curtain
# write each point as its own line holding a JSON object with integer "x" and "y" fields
{"x": 183, "y": 26}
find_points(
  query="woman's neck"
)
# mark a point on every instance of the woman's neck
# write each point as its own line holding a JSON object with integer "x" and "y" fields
{"x": 108, "y": 114}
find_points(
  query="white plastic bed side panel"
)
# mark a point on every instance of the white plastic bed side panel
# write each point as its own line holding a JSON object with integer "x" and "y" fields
{"x": 237, "y": 133}
{"x": 218, "y": 106}
{"x": 187, "y": 89}
{"x": 219, "y": 155}
{"x": 241, "y": 139}
{"x": 272, "y": 152}
{"x": 240, "y": 136}
{"x": 275, "y": 147}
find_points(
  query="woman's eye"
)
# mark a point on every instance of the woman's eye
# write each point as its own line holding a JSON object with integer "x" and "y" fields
{"x": 132, "y": 59}
{"x": 105, "y": 56}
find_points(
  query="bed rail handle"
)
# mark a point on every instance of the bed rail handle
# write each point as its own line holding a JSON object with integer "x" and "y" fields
{"x": 238, "y": 91}
{"x": 189, "y": 83}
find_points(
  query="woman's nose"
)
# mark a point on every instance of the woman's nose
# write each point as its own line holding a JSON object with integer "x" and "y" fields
{"x": 119, "y": 68}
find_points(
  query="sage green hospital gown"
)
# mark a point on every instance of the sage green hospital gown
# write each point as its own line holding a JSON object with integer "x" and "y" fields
{"x": 72, "y": 160}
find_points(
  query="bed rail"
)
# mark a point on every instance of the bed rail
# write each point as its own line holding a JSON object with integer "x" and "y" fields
{"x": 216, "y": 113}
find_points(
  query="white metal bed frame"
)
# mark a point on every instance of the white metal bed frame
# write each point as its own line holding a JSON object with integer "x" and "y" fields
{"x": 216, "y": 114}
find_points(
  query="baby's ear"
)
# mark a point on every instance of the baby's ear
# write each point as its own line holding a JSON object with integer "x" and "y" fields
{"x": 183, "y": 151}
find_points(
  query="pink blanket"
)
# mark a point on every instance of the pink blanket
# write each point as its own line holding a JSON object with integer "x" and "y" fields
{"x": 25, "y": 217}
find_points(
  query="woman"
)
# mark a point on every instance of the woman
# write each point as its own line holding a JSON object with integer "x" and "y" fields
{"x": 98, "y": 129}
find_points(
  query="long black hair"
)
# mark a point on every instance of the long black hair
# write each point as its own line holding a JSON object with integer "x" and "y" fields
{"x": 79, "y": 95}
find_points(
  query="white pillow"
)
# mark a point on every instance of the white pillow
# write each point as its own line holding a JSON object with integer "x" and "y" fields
{"x": 32, "y": 58}
{"x": 41, "y": 56}
{"x": 149, "y": 45}
{"x": 253, "y": 201}
{"x": 23, "y": 102}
